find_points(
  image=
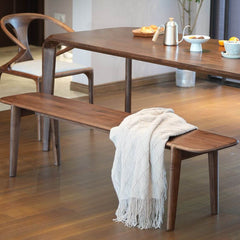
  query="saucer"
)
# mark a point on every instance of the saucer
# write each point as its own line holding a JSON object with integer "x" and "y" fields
{"x": 224, "y": 54}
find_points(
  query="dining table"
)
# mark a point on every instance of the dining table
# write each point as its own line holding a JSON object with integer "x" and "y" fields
{"x": 121, "y": 42}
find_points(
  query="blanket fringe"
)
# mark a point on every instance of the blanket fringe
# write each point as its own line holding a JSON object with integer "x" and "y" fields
{"x": 144, "y": 214}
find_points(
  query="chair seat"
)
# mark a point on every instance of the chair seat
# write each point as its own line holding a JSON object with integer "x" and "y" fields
{"x": 34, "y": 67}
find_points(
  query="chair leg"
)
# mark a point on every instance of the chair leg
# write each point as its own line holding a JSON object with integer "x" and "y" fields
{"x": 39, "y": 118}
{"x": 14, "y": 139}
{"x": 174, "y": 178}
{"x": 45, "y": 133}
{"x": 90, "y": 77}
{"x": 214, "y": 181}
{"x": 39, "y": 127}
{"x": 56, "y": 141}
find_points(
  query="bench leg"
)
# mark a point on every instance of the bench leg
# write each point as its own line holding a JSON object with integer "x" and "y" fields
{"x": 56, "y": 141}
{"x": 214, "y": 181}
{"x": 175, "y": 168}
{"x": 14, "y": 139}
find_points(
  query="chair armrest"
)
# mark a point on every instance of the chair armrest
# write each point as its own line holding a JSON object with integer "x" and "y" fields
{"x": 66, "y": 49}
{"x": 18, "y": 56}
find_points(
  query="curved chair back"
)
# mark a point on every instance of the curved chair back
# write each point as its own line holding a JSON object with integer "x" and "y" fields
{"x": 19, "y": 23}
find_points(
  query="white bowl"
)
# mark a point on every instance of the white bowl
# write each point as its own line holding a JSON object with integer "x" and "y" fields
{"x": 232, "y": 48}
{"x": 196, "y": 42}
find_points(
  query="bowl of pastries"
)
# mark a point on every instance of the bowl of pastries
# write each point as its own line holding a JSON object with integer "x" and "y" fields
{"x": 145, "y": 31}
{"x": 196, "y": 42}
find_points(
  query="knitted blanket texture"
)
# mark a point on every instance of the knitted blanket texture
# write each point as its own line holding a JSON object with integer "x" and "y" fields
{"x": 138, "y": 172}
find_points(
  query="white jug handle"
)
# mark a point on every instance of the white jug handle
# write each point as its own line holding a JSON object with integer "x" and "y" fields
{"x": 157, "y": 33}
{"x": 187, "y": 26}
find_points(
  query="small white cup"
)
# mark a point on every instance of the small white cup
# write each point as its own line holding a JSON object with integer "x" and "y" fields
{"x": 232, "y": 47}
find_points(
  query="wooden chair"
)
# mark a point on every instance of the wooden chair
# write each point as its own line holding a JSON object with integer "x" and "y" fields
{"x": 24, "y": 65}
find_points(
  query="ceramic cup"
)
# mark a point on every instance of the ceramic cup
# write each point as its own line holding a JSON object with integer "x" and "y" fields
{"x": 232, "y": 48}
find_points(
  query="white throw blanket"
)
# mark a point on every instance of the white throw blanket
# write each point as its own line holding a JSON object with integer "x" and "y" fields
{"x": 138, "y": 172}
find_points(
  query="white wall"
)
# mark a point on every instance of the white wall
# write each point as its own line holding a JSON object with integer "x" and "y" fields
{"x": 82, "y": 21}
{"x": 57, "y": 6}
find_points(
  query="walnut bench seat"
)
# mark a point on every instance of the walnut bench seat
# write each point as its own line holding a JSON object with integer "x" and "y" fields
{"x": 191, "y": 144}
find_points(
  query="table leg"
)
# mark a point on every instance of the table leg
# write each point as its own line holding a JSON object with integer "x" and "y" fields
{"x": 128, "y": 84}
{"x": 48, "y": 70}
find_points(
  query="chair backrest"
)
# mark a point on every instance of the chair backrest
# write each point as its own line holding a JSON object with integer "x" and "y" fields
{"x": 19, "y": 23}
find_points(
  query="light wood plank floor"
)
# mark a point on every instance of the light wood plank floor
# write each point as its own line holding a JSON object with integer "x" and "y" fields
{"x": 77, "y": 200}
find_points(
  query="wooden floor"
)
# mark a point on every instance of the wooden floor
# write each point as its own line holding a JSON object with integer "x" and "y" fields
{"x": 77, "y": 200}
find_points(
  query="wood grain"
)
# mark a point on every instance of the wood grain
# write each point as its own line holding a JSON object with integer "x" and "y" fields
{"x": 120, "y": 42}
{"x": 77, "y": 200}
{"x": 197, "y": 141}
{"x": 68, "y": 109}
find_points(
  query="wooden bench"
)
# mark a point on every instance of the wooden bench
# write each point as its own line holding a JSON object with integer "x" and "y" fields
{"x": 182, "y": 147}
